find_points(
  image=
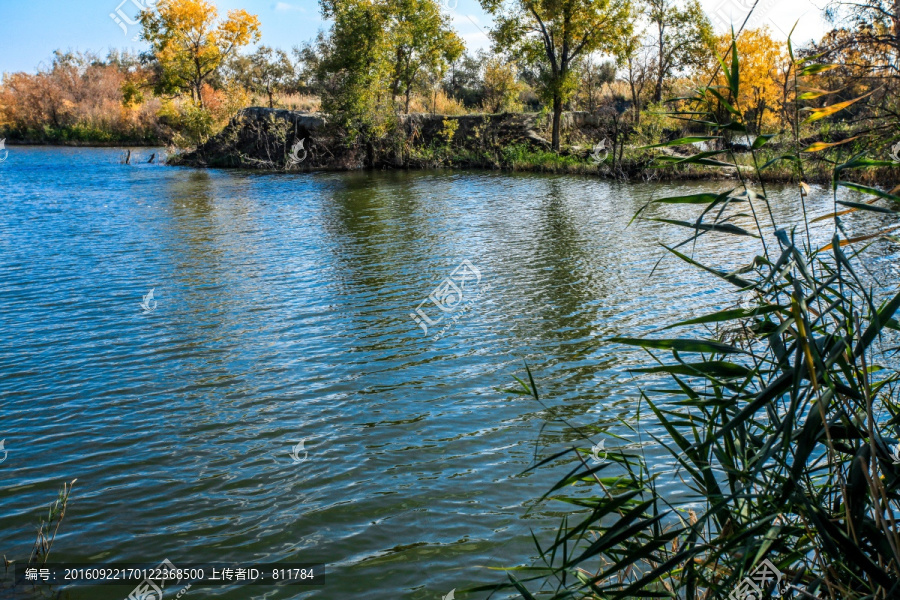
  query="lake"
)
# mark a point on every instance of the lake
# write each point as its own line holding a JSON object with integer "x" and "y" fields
{"x": 284, "y": 311}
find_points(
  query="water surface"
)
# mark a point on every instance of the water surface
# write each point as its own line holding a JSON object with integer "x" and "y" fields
{"x": 283, "y": 314}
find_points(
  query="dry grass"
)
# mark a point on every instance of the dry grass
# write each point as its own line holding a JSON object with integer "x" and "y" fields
{"x": 299, "y": 102}
{"x": 440, "y": 104}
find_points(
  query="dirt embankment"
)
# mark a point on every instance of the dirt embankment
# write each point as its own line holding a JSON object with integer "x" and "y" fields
{"x": 283, "y": 140}
{"x": 276, "y": 139}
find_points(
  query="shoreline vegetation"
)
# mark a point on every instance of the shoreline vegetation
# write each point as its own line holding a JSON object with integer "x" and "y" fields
{"x": 261, "y": 138}
{"x": 600, "y": 89}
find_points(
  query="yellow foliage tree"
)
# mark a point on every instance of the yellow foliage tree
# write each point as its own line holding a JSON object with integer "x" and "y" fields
{"x": 190, "y": 43}
{"x": 764, "y": 71}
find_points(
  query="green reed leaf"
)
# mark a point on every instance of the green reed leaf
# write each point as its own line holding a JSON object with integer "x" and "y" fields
{"x": 681, "y": 345}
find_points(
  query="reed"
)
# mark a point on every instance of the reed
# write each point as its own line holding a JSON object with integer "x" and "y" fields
{"x": 783, "y": 420}
{"x": 48, "y": 529}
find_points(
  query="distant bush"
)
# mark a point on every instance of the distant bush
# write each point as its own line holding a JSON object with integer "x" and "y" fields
{"x": 79, "y": 98}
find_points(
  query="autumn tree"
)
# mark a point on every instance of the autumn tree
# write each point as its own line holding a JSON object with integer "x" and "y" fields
{"x": 79, "y": 96}
{"x": 553, "y": 34}
{"x": 864, "y": 48}
{"x": 764, "y": 67}
{"x": 858, "y": 69}
{"x": 681, "y": 38}
{"x": 190, "y": 43}
{"x": 501, "y": 86}
{"x": 872, "y": 30}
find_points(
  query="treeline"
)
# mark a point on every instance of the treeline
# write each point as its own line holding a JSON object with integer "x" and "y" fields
{"x": 620, "y": 58}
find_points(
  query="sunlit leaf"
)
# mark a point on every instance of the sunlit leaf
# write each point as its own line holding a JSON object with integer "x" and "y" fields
{"x": 814, "y": 93}
{"x": 815, "y": 69}
{"x": 819, "y": 146}
{"x": 762, "y": 139}
{"x": 860, "y": 238}
{"x": 821, "y": 113}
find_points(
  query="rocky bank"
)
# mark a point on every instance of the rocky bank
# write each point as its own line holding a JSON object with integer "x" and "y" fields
{"x": 273, "y": 139}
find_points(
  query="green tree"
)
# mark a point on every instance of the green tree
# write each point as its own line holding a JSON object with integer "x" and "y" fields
{"x": 189, "y": 43}
{"x": 377, "y": 51}
{"x": 352, "y": 65}
{"x": 422, "y": 42}
{"x": 308, "y": 58}
{"x": 553, "y": 34}
{"x": 637, "y": 60}
{"x": 683, "y": 36}
{"x": 464, "y": 81}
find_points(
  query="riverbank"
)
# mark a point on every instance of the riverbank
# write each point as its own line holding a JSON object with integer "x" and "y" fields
{"x": 283, "y": 140}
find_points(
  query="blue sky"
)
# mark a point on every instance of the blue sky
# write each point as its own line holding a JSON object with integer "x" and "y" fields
{"x": 31, "y": 30}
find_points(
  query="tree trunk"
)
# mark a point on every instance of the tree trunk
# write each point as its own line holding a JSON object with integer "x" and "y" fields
{"x": 198, "y": 81}
{"x": 635, "y": 95}
{"x": 370, "y": 154}
{"x": 661, "y": 71}
{"x": 271, "y": 99}
{"x": 557, "y": 119}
